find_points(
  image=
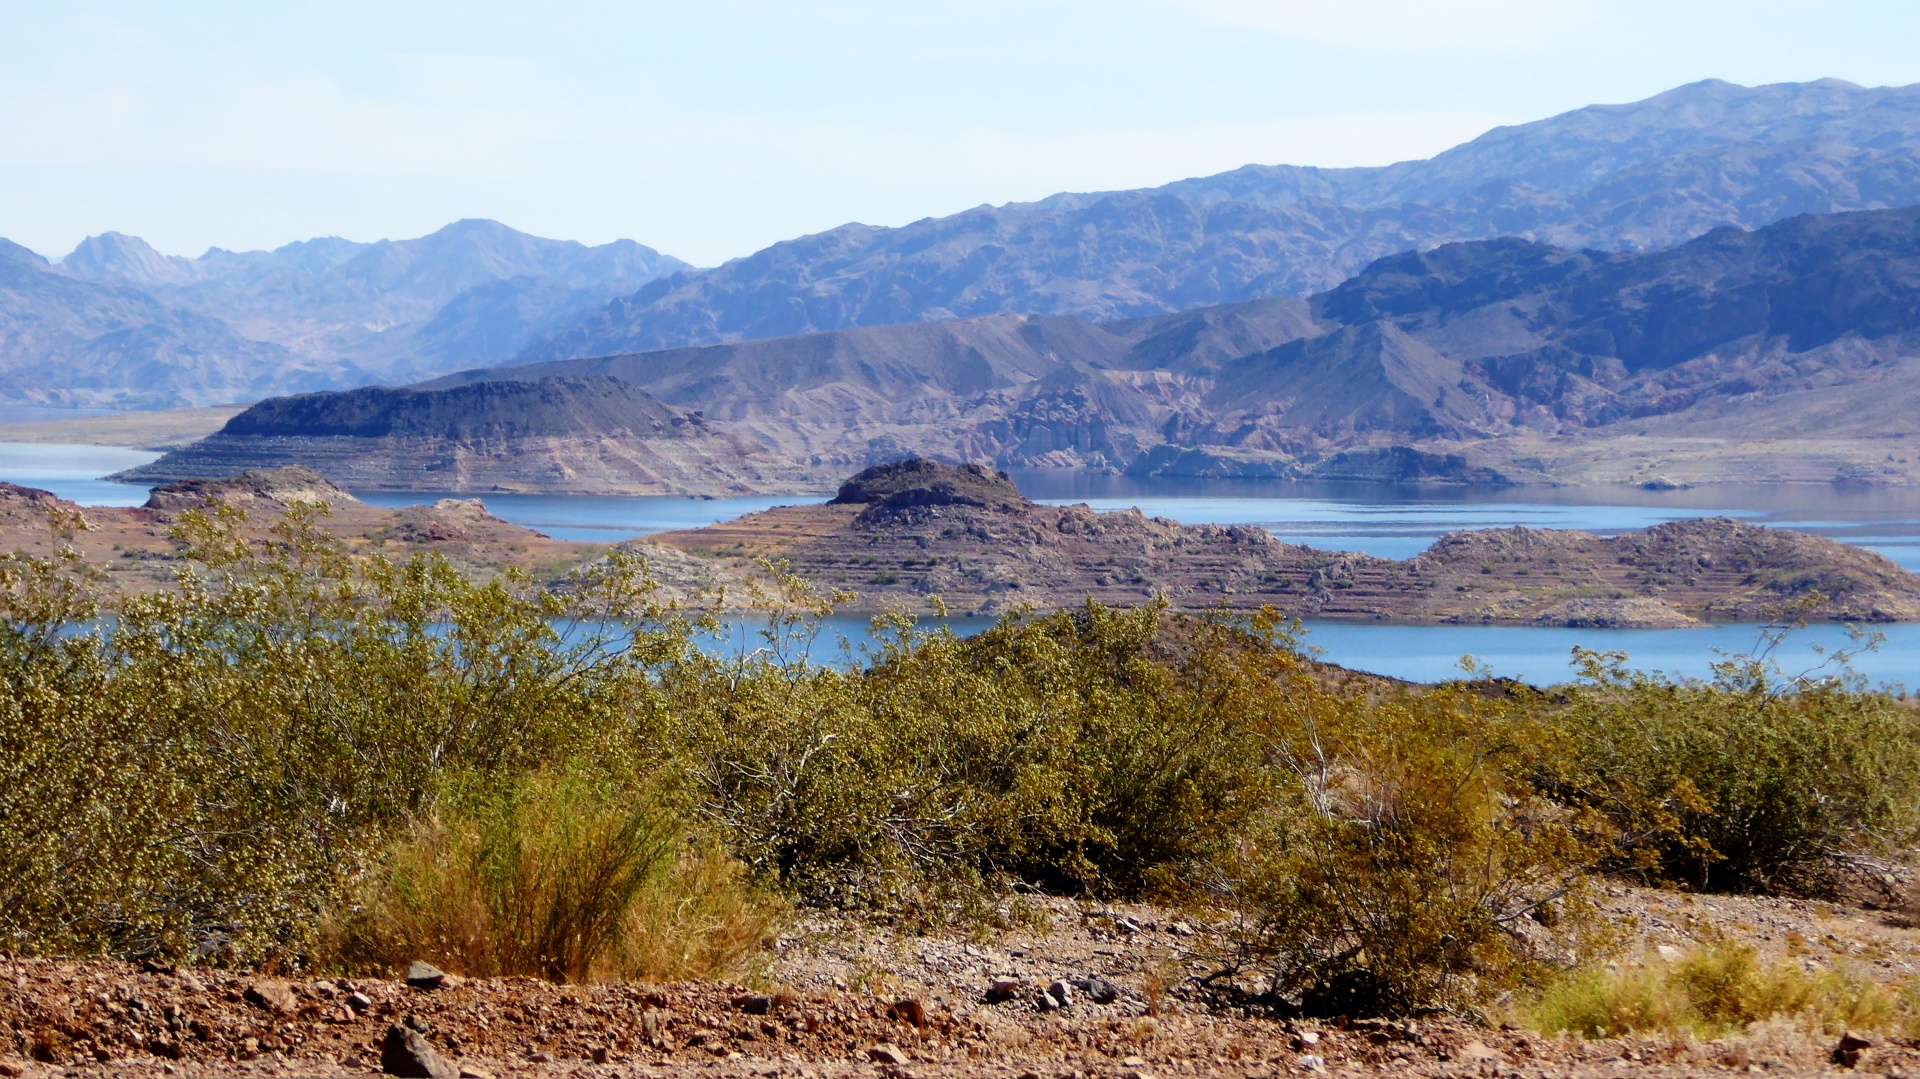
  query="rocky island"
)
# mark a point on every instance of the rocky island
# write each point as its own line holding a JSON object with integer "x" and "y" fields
{"x": 901, "y": 533}
{"x": 906, "y": 533}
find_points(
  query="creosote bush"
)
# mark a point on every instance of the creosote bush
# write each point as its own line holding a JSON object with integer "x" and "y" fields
{"x": 1056, "y": 750}
{"x": 196, "y": 772}
{"x": 1748, "y": 781}
{"x": 1405, "y": 863}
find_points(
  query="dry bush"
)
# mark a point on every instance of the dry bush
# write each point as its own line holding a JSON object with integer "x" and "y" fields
{"x": 555, "y": 877}
{"x": 1405, "y": 865}
{"x": 195, "y": 773}
{"x": 1719, "y": 989}
{"x": 701, "y": 919}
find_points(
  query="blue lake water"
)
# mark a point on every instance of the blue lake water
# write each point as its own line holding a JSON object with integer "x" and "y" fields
{"x": 1392, "y": 522}
{"x": 1434, "y": 653}
{"x": 73, "y": 472}
{"x": 598, "y": 519}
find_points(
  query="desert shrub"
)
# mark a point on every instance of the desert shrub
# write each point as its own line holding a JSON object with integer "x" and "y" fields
{"x": 193, "y": 772}
{"x": 1056, "y": 750}
{"x": 1405, "y": 865}
{"x": 1714, "y": 990}
{"x": 1743, "y": 782}
{"x": 555, "y": 876}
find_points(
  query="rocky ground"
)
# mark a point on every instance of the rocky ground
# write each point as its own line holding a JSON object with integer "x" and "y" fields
{"x": 1056, "y": 988}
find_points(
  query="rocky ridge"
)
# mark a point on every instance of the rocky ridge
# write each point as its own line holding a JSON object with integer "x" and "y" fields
{"x": 1629, "y": 177}
{"x": 116, "y": 324}
{"x": 1485, "y": 362}
{"x": 135, "y": 546}
{"x": 900, "y": 535}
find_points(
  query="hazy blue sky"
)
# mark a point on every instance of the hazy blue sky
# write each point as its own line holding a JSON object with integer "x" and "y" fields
{"x": 711, "y": 128}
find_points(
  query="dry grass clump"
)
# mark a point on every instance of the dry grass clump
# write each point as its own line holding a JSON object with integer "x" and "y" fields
{"x": 556, "y": 877}
{"x": 1716, "y": 990}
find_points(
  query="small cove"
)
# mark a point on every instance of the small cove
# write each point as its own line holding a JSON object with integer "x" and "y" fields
{"x": 1382, "y": 520}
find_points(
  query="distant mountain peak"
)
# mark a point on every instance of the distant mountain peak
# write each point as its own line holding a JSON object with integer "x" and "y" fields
{"x": 14, "y": 253}
{"x": 117, "y": 256}
{"x": 123, "y": 325}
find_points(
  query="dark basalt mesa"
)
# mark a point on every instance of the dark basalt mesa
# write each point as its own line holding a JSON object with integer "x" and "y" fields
{"x": 563, "y": 434}
{"x": 892, "y": 489}
{"x": 552, "y": 407}
{"x": 903, "y": 533}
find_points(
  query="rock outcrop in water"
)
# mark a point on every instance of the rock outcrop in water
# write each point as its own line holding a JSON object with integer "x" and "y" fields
{"x": 902, "y": 533}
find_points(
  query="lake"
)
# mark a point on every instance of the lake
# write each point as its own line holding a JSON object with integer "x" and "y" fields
{"x": 1433, "y": 653}
{"x": 1389, "y": 521}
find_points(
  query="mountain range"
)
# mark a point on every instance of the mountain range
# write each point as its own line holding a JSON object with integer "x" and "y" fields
{"x": 1634, "y": 177}
{"x": 117, "y": 324}
{"x": 1472, "y": 362}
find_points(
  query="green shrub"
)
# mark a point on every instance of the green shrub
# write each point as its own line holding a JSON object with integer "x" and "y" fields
{"x": 193, "y": 772}
{"x": 1744, "y": 782}
{"x": 1063, "y": 751}
{"x": 1406, "y": 864}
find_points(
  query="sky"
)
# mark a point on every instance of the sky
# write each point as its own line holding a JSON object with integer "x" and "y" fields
{"x": 711, "y": 129}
